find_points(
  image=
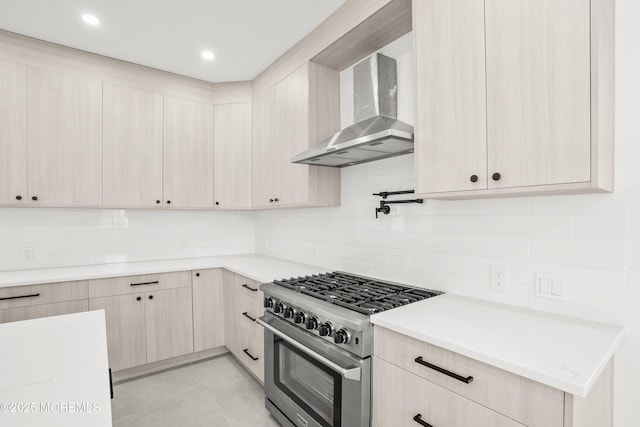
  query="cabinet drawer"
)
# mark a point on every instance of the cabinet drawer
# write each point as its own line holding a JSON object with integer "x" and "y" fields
{"x": 134, "y": 284}
{"x": 526, "y": 401}
{"x": 249, "y": 287}
{"x": 24, "y": 296}
{"x": 251, "y": 349}
{"x": 43, "y": 310}
{"x": 402, "y": 399}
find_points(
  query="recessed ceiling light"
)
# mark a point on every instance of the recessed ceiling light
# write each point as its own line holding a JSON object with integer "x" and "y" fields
{"x": 208, "y": 55}
{"x": 90, "y": 19}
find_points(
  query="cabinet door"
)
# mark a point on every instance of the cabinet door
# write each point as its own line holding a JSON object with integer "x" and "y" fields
{"x": 230, "y": 295}
{"x": 169, "y": 320}
{"x": 64, "y": 138}
{"x": 44, "y": 310}
{"x": 264, "y": 150}
{"x": 208, "y": 309}
{"x": 13, "y": 133}
{"x": 132, "y": 147}
{"x": 232, "y": 156}
{"x": 188, "y": 153}
{"x": 292, "y": 130}
{"x": 126, "y": 338}
{"x": 538, "y": 91}
{"x": 399, "y": 396}
{"x": 450, "y": 134}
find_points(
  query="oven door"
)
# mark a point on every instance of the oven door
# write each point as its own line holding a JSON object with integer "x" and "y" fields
{"x": 312, "y": 383}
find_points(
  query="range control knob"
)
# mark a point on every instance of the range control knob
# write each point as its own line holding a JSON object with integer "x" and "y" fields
{"x": 289, "y": 312}
{"x": 326, "y": 329}
{"x": 300, "y": 317}
{"x": 279, "y": 308}
{"x": 342, "y": 336}
{"x": 312, "y": 323}
{"x": 268, "y": 302}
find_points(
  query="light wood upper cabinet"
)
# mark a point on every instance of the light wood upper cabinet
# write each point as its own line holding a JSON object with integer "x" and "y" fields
{"x": 13, "y": 133}
{"x": 64, "y": 138}
{"x": 538, "y": 92}
{"x": 305, "y": 109}
{"x": 132, "y": 147}
{"x": 450, "y": 135}
{"x": 188, "y": 153}
{"x": 264, "y": 176}
{"x": 514, "y": 97}
{"x": 232, "y": 156}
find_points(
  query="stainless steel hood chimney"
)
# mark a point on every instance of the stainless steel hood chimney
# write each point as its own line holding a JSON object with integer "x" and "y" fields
{"x": 377, "y": 133}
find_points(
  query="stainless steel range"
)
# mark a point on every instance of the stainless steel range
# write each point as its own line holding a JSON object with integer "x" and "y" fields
{"x": 318, "y": 346}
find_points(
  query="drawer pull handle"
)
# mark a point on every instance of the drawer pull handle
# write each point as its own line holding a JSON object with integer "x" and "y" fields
{"x": 145, "y": 283}
{"x": 253, "y": 319}
{"x": 244, "y": 285}
{"x": 418, "y": 419}
{"x": 246, "y": 351}
{"x": 466, "y": 380}
{"x": 21, "y": 296}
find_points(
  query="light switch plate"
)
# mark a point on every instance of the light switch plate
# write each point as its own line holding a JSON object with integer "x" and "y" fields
{"x": 550, "y": 286}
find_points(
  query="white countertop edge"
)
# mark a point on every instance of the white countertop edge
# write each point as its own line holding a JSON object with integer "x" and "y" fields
{"x": 577, "y": 389}
{"x": 244, "y": 264}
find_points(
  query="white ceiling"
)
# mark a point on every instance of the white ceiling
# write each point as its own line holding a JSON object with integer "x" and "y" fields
{"x": 245, "y": 35}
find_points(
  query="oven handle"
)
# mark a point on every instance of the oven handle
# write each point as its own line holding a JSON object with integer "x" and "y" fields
{"x": 350, "y": 373}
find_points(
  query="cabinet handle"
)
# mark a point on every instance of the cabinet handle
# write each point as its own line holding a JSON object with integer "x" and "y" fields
{"x": 34, "y": 198}
{"x": 21, "y": 296}
{"x": 418, "y": 419}
{"x": 157, "y": 202}
{"x": 144, "y": 283}
{"x": 217, "y": 203}
{"x": 168, "y": 202}
{"x": 421, "y": 361}
{"x": 139, "y": 299}
{"x": 197, "y": 274}
{"x": 270, "y": 200}
{"x": 110, "y": 383}
{"x": 496, "y": 176}
{"x": 473, "y": 178}
{"x": 246, "y": 351}
{"x": 253, "y": 319}
{"x": 150, "y": 296}
{"x": 244, "y": 285}
{"x": 276, "y": 200}
{"x": 18, "y": 197}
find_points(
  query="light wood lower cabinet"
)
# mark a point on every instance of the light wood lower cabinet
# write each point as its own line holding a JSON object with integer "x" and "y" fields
{"x": 151, "y": 319}
{"x": 402, "y": 399}
{"x": 126, "y": 334}
{"x": 36, "y": 301}
{"x": 404, "y": 387}
{"x": 208, "y": 312}
{"x": 243, "y": 306}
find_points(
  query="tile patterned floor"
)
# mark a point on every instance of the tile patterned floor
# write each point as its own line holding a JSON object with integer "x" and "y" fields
{"x": 215, "y": 392}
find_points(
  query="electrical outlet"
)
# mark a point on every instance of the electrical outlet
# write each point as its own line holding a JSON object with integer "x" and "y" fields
{"x": 499, "y": 278}
{"x": 27, "y": 253}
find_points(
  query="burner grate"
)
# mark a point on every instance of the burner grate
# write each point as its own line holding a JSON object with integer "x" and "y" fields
{"x": 361, "y": 294}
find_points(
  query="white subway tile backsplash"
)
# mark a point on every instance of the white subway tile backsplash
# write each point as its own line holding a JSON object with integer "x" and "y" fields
{"x": 535, "y": 226}
{"x": 464, "y": 225}
{"x": 505, "y": 206}
{"x": 496, "y": 247}
{"x": 610, "y": 227}
{"x": 579, "y": 253}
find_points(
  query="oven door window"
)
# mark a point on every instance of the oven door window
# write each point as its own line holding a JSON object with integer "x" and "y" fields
{"x": 310, "y": 384}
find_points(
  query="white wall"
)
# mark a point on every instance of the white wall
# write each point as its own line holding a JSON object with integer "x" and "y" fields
{"x": 66, "y": 237}
{"x": 591, "y": 240}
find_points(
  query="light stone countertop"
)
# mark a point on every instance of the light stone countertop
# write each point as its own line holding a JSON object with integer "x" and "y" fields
{"x": 562, "y": 352}
{"x": 259, "y": 268}
{"x": 54, "y": 372}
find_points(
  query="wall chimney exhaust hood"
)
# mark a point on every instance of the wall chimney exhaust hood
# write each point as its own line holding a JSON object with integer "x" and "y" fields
{"x": 377, "y": 133}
